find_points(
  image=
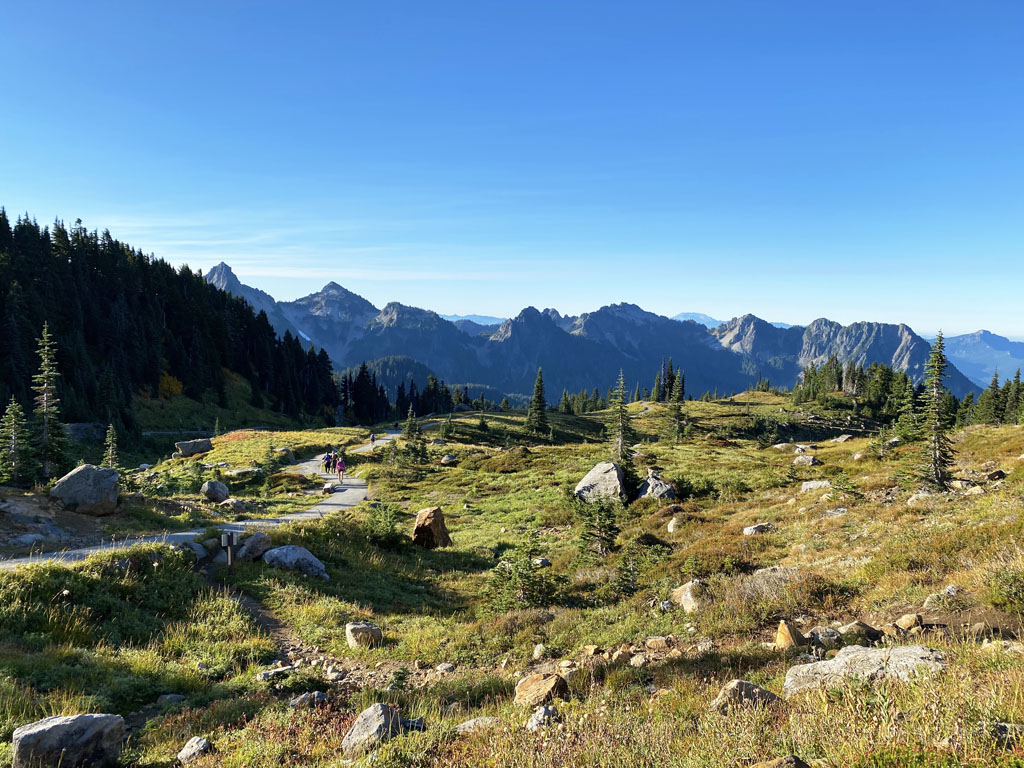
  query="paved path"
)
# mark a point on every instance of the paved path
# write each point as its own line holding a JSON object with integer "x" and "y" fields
{"x": 352, "y": 492}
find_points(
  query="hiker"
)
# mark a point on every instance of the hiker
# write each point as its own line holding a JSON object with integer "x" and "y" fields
{"x": 325, "y": 462}
{"x": 341, "y": 470}
{"x": 373, "y": 439}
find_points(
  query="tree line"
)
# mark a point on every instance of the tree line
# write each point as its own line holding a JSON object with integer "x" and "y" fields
{"x": 124, "y": 324}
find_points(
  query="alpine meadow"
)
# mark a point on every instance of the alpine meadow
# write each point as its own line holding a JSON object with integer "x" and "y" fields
{"x": 368, "y": 413}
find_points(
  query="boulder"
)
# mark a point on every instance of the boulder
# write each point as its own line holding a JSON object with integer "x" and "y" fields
{"x": 215, "y": 491}
{"x": 88, "y": 489}
{"x": 195, "y": 548}
{"x": 674, "y": 525}
{"x": 857, "y": 631}
{"x": 909, "y": 621}
{"x": 866, "y": 664}
{"x": 656, "y": 488}
{"x": 534, "y": 690}
{"x": 754, "y": 530}
{"x": 828, "y": 638}
{"x": 236, "y": 506}
{"x": 789, "y": 761}
{"x": 689, "y": 596}
{"x": 814, "y": 485}
{"x": 448, "y": 458}
{"x": 430, "y": 532}
{"x": 363, "y": 634}
{"x": 294, "y": 558}
{"x": 445, "y": 668}
{"x": 375, "y": 725}
{"x": 806, "y": 460}
{"x": 538, "y": 651}
{"x": 69, "y": 741}
{"x": 542, "y": 716}
{"x": 476, "y": 724}
{"x": 919, "y": 499}
{"x": 194, "y": 747}
{"x": 254, "y": 547}
{"x": 788, "y": 636}
{"x": 193, "y": 447}
{"x": 605, "y": 481}
{"x": 308, "y": 700}
{"x": 740, "y": 693}
{"x": 841, "y": 439}
{"x": 286, "y": 454}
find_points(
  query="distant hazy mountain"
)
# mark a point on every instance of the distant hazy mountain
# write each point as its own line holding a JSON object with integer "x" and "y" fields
{"x": 477, "y": 319}
{"x": 579, "y": 351}
{"x": 982, "y": 353}
{"x": 709, "y": 322}
{"x": 706, "y": 320}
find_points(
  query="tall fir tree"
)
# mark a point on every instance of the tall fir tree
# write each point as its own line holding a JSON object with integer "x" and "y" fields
{"x": 987, "y": 411}
{"x": 937, "y": 452}
{"x": 412, "y": 430}
{"x": 110, "y": 448}
{"x": 1011, "y": 411}
{"x": 622, "y": 432}
{"x": 679, "y": 387}
{"x": 536, "y": 414}
{"x": 15, "y": 451}
{"x": 50, "y": 438}
{"x": 678, "y": 422}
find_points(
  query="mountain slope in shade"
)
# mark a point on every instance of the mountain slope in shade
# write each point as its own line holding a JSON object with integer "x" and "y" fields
{"x": 587, "y": 350}
{"x": 224, "y": 278}
{"x": 782, "y": 353}
{"x": 982, "y": 353}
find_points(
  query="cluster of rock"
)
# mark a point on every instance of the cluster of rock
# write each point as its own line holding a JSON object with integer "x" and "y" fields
{"x": 607, "y": 482}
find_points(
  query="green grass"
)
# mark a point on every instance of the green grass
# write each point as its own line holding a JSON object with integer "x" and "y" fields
{"x": 135, "y": 631}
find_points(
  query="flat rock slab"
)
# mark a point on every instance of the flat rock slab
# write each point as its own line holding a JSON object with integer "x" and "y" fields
{"x": 69, "y": 741}
{"x": 534, "y": 690}
{"x": 856, "y": 662}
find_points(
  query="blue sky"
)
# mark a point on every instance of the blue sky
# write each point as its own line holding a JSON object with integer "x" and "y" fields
{"x": 855, "y": 160}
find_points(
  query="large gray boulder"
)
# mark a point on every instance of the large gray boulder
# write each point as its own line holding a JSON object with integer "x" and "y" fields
{"x": 69, "y": 741}
{"x": 741, "y": 693}
{"x": 192, "y": 447}
{"x": 215, "y": 491}
{"x": 375, "y": 725}
{"x": 656, "y": 488}
{"x": 88, "y": 489}
{"x": 605, "y": 481}
{"x": 363, "y": 634}
{"x": 855, "y": 662}
{"x": 255, "y": 547}
{"x": 194, "y": 747}
{"x": 293, "y": 558}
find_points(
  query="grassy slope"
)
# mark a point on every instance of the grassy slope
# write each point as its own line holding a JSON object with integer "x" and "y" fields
{"x": 876, "y": 561}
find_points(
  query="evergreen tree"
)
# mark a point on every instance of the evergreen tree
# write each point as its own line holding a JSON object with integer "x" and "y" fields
{"x": 656, "y": 389}
{"x": 622, "y": 432}
{"x": 412, "y": 430}
{"x": 1011, "y": 411}
{"x": 50, "y": 436}
{"x": 15, "y": 451}
{"x": 965, "y": 413}
{"x": 937, "y": 453}
{"x": 987, "y": 410}
{"x": 636, "y": 394}
{"x": 564, "y": 405}
{"x": 504, "y": 406}
{"x": 536, "y": 414}
{"x": 678, "y": 422}
{"x": 598, "y": 527}
{"x": 679, "y": 387}
{"x": 907, "y": 427}
{"x": 110, "y": 448}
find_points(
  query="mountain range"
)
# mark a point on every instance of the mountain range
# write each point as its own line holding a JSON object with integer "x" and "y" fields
{"x": 581, "y": 351}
